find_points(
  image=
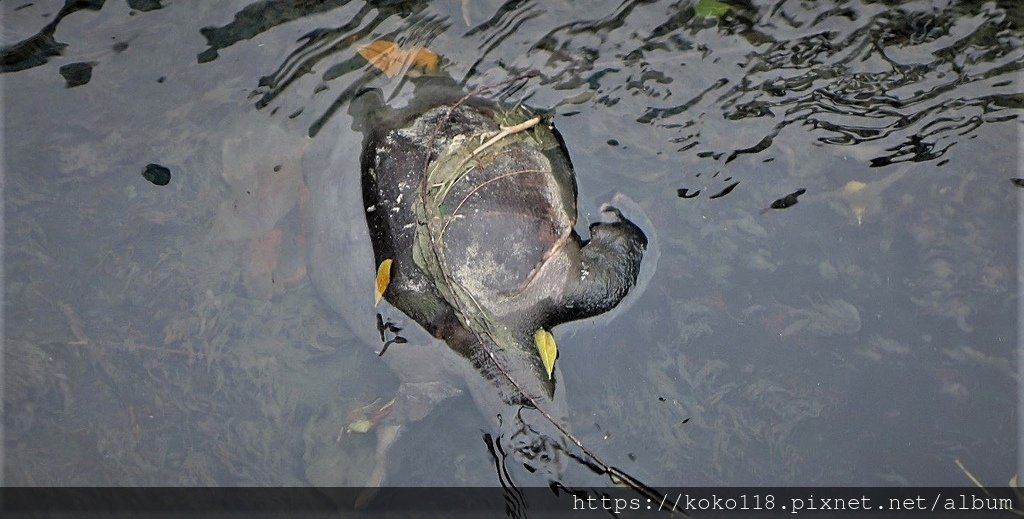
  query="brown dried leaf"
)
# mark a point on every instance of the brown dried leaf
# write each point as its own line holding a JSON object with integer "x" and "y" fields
{"x": 391, "y": 59}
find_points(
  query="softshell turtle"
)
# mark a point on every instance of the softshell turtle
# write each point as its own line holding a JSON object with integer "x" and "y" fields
{"x": 478, "y": 223}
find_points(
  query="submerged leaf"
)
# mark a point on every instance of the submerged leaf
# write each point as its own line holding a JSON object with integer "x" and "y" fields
{"x": 853, "y": 186}
{"x": 391, "y": 59}
{"x": 856, "y": 202}
{"x": 363, "y": 419}
{"x": 545, "y": 343}
{"x": 359, "y": 426}
{"x": 711, "y": 8}
{"x": 383, "y": 279}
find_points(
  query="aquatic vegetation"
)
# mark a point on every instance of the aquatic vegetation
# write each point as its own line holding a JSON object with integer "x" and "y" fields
{"x": 881, "y": 349}
{"x": 823, "y": 319}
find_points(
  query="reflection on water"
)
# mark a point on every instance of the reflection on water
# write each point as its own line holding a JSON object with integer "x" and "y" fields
{"x": 168, "y": 335}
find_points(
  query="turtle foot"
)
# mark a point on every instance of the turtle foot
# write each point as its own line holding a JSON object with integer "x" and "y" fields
{"x": 386, "y": 436}
{"x": 414, "y": 401}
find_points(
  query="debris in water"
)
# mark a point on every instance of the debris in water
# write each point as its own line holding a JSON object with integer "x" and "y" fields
{"x": 157, "y": 174}
{"x": 788, "y": 200}
{"x": 77, "y": 74}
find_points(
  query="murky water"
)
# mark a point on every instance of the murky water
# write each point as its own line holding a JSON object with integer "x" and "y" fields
{"x": 865, "y": 335}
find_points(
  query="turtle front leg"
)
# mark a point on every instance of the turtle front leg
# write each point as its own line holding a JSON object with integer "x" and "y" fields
{"x": 386, "y": 436}
{"x": 609, "y": 265}
{"x": 414, "y": 402}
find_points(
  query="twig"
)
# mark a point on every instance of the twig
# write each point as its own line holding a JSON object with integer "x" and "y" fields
{"x": 477, "y": 91}
{"x": 477, "y": 188}
{"x": 505, "y": 132}
{"x": 135, "y": 346}
{"x": 971, "y": 476}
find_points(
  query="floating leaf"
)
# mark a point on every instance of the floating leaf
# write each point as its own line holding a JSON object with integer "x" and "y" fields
{"x": 391, "y": 59}
{"x": 546, "y": 347}
{"x": 383, "y": 279}
{"x": 384, "y": 55}
{"x": 711, "y": 8}
{"x": 425, "y": 59}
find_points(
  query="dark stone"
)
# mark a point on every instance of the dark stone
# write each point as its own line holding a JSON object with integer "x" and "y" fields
{"x": 157, "y": 174}
{"x": 788, "y": 200}
{"x": 207, "y": 56}
{"x": 144, "y": 5}
{"x": 77, "y": 74}
{"x": 728, "y": 189}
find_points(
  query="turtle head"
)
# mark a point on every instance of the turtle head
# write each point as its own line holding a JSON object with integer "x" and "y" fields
{"x": 608, "y": 267}
{"x": 617, "y": 235}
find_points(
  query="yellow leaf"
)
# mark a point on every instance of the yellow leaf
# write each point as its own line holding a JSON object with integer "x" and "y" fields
{"x": 383, "y": 279}
{"x": 360, "y": 426}
{"x": 1016, "y": 488}
{"x": 854, "y": 186}
{"x": 391, "y": 59}
{"x": 545, "y": 343}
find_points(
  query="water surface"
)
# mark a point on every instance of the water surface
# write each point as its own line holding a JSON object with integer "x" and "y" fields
{"x": 866, "y": 335}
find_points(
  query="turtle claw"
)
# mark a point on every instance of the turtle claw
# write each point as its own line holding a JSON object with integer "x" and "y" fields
{"x": 414, "y": 401}
{"x": 386, "y": 436}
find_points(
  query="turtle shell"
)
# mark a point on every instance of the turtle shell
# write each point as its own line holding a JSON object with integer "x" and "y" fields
{"x": 497, "y": 205}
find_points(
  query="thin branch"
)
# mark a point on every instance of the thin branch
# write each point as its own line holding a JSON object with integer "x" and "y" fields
{"x": 477, "y": 188}
{"x": 505, "y": 132}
